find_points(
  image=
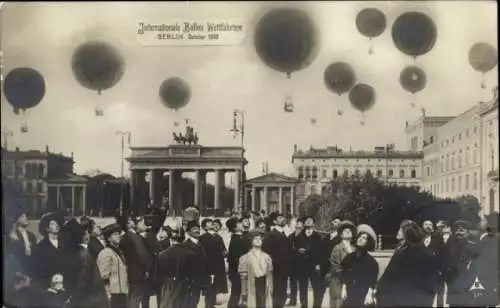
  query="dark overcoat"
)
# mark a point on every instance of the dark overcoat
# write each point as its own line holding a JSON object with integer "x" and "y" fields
{"x": 359, "y": 273}
{"x": 47, "y": 260}
{"x": 215, "y": 260}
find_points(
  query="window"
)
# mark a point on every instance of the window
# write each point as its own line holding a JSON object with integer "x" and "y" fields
{"x": 390, "y": 173}
{"x": 19, "y": 170}
{"x": 460, "y": 136}
{"x": 301, "y": 172}
{"x": 467, "y": 182}
{"x": 41, "y": 171}
{"x": 368, "y": 172}
{"x": 346, "y": 173}
{"x": 474, "y": 130}
{"x": 28, "y": 174}
{"x": 453, "y": 139}
{"x": 447, "y": 162}
{"x": 314, "y": 172}
{"x": 459, "y": 184}
{"x": 428, "y": 171}
{"x": 442, "y": 164}
{"x": 335, "y": 174}
{"x": 467, "y": 156}
{"x": 323, "y": 173}
{"x": 467, "y": 133}
{"x": 313, "y": 189}
{"x": 447, "y": 185}
{"x": 452, "y": 184}
{"x": 474, "y": 158}
{"x": 401, "y": 173}
{"x": 460, "y": 160}
{"x": 453, "y": 162}
{"x": 39, "y": 187}
{"x": 413, "y": 173}
{"x": 474, "y": 185}
{"x": 379, "y": 173}
{"x": 442, "y": 186}
{"x": 431, "y": 139}
{"x": 308, "y": 172}
{"x": 29, "y": 187}
{"x": 447, "y": 142}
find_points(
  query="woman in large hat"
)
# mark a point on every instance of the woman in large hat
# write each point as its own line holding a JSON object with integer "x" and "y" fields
{"x": 410, "y": 278}
{"x": 81, "y": 275}
{"x": 360, "y": 270}
{"x": 256, "y": 272}
{"x": 48, "y": 255}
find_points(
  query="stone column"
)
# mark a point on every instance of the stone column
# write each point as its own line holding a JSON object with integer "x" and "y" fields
{"x": 292, "y": 199}
{"x": 217, "y": 192}
{"x": 199, "y": 182}
{"x": 237, "y": 189}
{"x": 58, "y": 189}
{"x": 266, "y": 200}
{"x": 254, "y": 198}
{"x": 72, "y": 200}
{"x": 171, "y": 190}
{"x": 152, "y": 188}
{"x": 141, "y": 202}
{"x": 84, "y": 199}
{"x": 132, "y": 189}
{"x": 280, "y": 200}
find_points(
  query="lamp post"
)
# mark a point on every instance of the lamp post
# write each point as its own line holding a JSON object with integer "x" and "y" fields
{"x": 6, "y": 133}
{"x": 388, "y": 148}
{"x": 122, "y": 135}
{"x": 239, "y": 114}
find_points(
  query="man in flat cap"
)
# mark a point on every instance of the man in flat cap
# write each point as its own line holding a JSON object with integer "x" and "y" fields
{"x": 200, "y": 273}
{"x": 461, "y": 270}
{"x": 48, "y": 255}
{"x": 276, "y": 244}
{"x": 215, "y": 263}
{"x": 137, "y": 260}
{"x": 238, "y": 246}
{"x": 111, "y": 263}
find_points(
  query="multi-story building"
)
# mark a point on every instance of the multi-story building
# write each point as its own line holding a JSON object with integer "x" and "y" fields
{"x": 316, "y": 167}
{"x": 459, "y": 153}
{"x": 451, "y": 162}
{"x": 489, "y": 155}
{"x": 44, "y": 181}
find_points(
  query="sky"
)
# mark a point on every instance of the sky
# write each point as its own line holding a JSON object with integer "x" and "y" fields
{"x": 222, "y": 78}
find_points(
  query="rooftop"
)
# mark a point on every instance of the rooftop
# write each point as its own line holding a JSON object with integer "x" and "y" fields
{"x": 34, "y": 154}
{"x": 334, "y": 152}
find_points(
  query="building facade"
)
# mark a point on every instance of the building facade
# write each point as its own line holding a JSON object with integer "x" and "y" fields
{"x": 489, "y": 155}
{"x": 314, "y": 168}
{"x": 451, "y": 148}
{"x": 44, "y": 181}
{"x": 460, "y": 153}
{"x": 271, "y": 192}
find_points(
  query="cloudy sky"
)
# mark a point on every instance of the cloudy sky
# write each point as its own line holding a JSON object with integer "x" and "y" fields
{"x": 44, "y": 36}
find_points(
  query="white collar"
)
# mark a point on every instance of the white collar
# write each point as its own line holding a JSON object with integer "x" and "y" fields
{"x": 84, "y": 245}
{"x": 192, "y": 239}
{"x": 54, "y": 242}
{"x": 279, "y": 229}
{"x": 309, "y": 232}
{"x": 333, "y": 235}
{"x": 211, "y": 232}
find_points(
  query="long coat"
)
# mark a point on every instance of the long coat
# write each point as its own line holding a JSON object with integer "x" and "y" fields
{"x": 215, "y": 260}
{"x": 95, "y": 246}
{"x": 339, "y": 252}
{"x": 488, "y": 260}
{"x": 245, "y": 267}
{"x": 177, "y": 275}
{"x": 359, "y": 273}
{"x": 15, "y": 243}
{"x": 83, "y": 281}
{"x": 137, "y": 259}
{"x": 47, "y": 260}
{"x": 409, "y": 279}
{"x": 111, "y": 263}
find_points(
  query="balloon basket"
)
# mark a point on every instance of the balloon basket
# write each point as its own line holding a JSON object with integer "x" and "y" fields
{"x": 24, "y": 128}
{"x": 413, "y": 104}
{"x": 370, "y": 51}
{"x": 288, "y": 105}
{"x": 99, "y": 112}
{"x": 340, "y": 112}
{"x": 483, "y": 85}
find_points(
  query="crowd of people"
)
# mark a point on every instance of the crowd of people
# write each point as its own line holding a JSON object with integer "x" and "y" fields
{"x": 266, "y": 264}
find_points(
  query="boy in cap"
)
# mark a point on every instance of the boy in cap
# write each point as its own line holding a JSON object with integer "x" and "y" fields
{"x": 56, "y": 296}
{"x": 137, "y": 260}
{"x": 276, "y": 244}
{"x": 238, "y": 246}
{"x": 111, "y": 263}
{"x": 200, "y": 273}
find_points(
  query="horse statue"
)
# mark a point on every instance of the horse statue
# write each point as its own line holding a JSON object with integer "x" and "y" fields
{"x": 190, "y": 137}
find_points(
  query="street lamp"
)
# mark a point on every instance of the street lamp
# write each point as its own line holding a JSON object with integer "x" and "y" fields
{"x": 388, "y": 148}
{"x": 6, "y": 133}
{"x": 122, "y": 135}
{"x": 240, "y": 129}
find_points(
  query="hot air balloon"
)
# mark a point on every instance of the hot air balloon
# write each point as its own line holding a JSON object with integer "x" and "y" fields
{"x": 339, "y": 78}
{"x": 286, "y": 40}
{"x": 371, "y": 23}
{"x": 97, "y": 66}
{"x": 175, "y": 93}
{"x": 24, "y": 88}
{"x": 483, "y": 58}
{"x": 413, "y": 80}
{"x": 362, "y": 98}
{"x": 313, "y": 120}
{"x": 414, "y": 33}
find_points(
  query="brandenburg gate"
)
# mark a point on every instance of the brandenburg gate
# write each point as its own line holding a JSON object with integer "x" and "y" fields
{"x": 185, "y": 155}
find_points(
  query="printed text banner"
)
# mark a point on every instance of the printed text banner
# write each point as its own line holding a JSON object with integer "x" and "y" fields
{"x": 215, "y": 32}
